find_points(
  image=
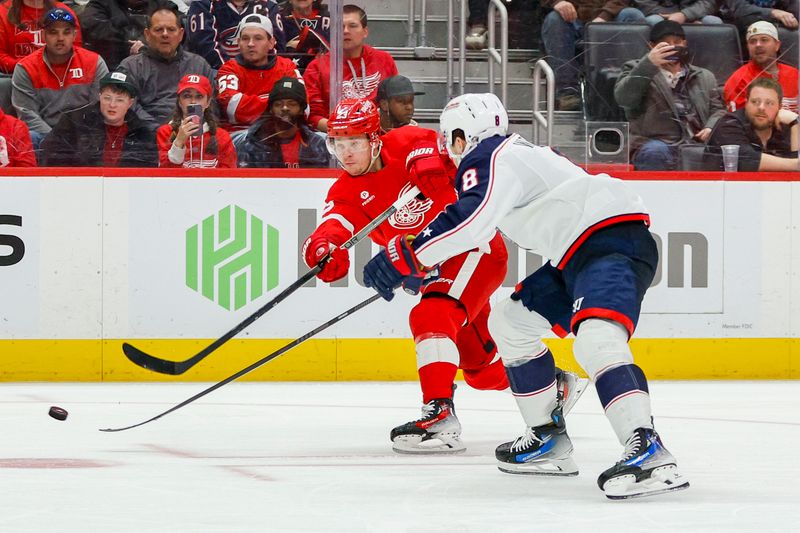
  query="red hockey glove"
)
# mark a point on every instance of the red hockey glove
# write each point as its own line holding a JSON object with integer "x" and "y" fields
{"x": 396, "y": 265}
{"x": 316, "y": 248}
{"x": 427, "y": 170}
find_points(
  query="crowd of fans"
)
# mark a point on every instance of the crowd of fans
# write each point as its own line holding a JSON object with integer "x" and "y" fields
{"x": 203, "y": 84}
{"x": 227, "y": 83}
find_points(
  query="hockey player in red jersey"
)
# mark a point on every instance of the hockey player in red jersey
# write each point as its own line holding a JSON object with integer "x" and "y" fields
{"x": 449, "y": 322}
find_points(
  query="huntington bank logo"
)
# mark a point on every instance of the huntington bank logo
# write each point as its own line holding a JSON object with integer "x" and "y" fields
{"x": 232, "y": 258}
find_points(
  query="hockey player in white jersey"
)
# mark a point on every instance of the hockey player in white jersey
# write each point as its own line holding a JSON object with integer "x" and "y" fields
{"x": 602, "y": 259}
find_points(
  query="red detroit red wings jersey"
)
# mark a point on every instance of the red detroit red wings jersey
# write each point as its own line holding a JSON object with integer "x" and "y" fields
{"x": 354, "y": 201}
{"x": 243, "y": 92}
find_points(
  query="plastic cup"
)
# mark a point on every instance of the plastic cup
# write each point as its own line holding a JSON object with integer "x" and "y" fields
{"x": 730, "y": 157}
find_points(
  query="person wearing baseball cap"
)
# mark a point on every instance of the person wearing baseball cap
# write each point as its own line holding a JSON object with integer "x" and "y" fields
{"x": 764, "y": 46}
{"x": 668, "y": 101}
{"x": 215, "y": 36}
{"x": 56, "y": 78}
{"x": 396, "y": 102}
{"x": 282, "y": 137}
{"x": 22, "y": 37}
{"x": 244, "y": 82}
{"x": 193, "y": 138}
{"x": 107, "y": 133}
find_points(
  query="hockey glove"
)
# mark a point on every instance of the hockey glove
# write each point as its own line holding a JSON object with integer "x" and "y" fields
{"x": 317, "y": 249}
{"x": 396, "y": 265}
{"x": 427, "y": 170}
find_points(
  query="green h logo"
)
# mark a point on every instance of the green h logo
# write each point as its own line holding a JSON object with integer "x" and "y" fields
{"x": 226, "y": 259}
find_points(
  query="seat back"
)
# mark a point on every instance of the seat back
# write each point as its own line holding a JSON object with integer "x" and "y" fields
{"x": 5, "y": 96}
{"x": 607, "y": 46}
{"x": 788, "y": 53}
{"x": 714, "y": 47}
{"x": 694, "y": 157}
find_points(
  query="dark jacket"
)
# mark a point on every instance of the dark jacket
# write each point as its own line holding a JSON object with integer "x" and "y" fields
{"x": 734, "y": 128}
{"x": 737, "y": 9}
{"x": 156, "y": 79}
{"x": 649, "y": 104}
{"x": 590, "y": 9}
{"x": 108, "y": 25}
{"x": 78, "y": 140}
{"x": 692, "y": 9}
{"x": 255, "y": 153}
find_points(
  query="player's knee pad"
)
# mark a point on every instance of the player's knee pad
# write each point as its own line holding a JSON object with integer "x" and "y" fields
{"x": 601, "y": 345}
{"x": 436, "y": 316}
{"x": 490, "y": 377}
{"x": 517, "y": 331}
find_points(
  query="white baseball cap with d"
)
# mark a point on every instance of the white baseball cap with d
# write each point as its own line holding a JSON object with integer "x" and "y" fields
{"x": 255, "y": 21}
{"x": 762, "y": 27}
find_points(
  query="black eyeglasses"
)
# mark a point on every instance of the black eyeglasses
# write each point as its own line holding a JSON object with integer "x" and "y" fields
{"x": 59, "y": 15}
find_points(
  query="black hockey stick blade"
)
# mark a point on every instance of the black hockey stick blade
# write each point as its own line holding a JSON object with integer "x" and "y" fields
{"x": 176, "y": 368}
{"x": 260, "y": 362}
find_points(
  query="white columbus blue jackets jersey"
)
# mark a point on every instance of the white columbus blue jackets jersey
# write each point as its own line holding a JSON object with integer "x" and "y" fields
{"x": 537, "y": 198}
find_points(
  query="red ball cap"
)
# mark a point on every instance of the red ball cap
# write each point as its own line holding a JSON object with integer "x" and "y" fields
{"x": 195, "y": 81}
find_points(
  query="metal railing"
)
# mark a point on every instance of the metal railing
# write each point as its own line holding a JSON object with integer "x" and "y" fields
{"x": 495, "y": 55}
{"x": 539, "y": 119}
{"x": 418, "y": 39}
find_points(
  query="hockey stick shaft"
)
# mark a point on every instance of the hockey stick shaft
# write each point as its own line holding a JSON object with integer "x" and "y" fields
{"x": 174, "y": 368}
{"x": 257, "y": 364}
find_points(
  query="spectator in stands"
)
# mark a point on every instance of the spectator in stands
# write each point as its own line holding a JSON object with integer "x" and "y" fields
{"x": 282, "y": 138}
{"x": 396, "y": 102}
{"x": 477, "y": 34}
{"x": 763, "y": 46}
{"x": 767, "y": 135}
{"x": 364, "y": 67}
{"x": 104, "y": 134}
{"x": 680, "y": 11}
{"x": 307, "y": 25}
{"x": 21, "y": 30}
{"x": 16, "y": 149}
{"x": 667, "y": 100}
{"x": 244, "y": 82}
{"x": 57, "y": 78}
{"x": 562, "y": 30}
{"x": 743, "y": 13}
{"x": 155, "y": 71}
{"x": 115, "y": 28}
{"x": 213, "y": 23}
{"x": 191, "y": 143}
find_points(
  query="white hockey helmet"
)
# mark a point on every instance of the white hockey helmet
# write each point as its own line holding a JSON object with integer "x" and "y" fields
{"x": 479, "y": 116}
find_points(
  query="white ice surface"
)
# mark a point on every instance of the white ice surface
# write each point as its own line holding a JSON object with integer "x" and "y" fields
{"x": 316, "y": 457}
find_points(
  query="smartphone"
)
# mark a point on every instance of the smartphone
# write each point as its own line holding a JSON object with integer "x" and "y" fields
{"x": 196, "y": 112}
{"x": 679, "y": 53}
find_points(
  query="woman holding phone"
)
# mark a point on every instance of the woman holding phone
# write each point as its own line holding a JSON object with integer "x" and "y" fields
{"x": 192, "y": 139}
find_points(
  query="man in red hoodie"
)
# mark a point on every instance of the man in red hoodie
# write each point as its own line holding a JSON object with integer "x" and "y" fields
{"x": 364, "y": 68}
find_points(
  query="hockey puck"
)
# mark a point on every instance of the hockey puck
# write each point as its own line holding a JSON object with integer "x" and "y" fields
{"x": 58, "y": 413}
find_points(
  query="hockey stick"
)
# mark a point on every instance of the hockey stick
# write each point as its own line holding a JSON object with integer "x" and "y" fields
{"x": 175, "y": 368}
{"x": 257, "y": 364}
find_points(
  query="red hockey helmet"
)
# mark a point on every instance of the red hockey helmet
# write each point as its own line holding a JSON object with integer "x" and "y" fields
{"x": 355, "y": 118}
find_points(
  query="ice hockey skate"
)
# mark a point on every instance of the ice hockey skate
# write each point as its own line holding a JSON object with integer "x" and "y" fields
{"x": 437, "y": 431}
{"x": 646, "y": 468}
{"x": 570, "y": 387}
{"x": 542, "y": 451}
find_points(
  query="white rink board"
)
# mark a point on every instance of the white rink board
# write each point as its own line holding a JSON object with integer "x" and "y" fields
{"x": 106, "y": 258}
